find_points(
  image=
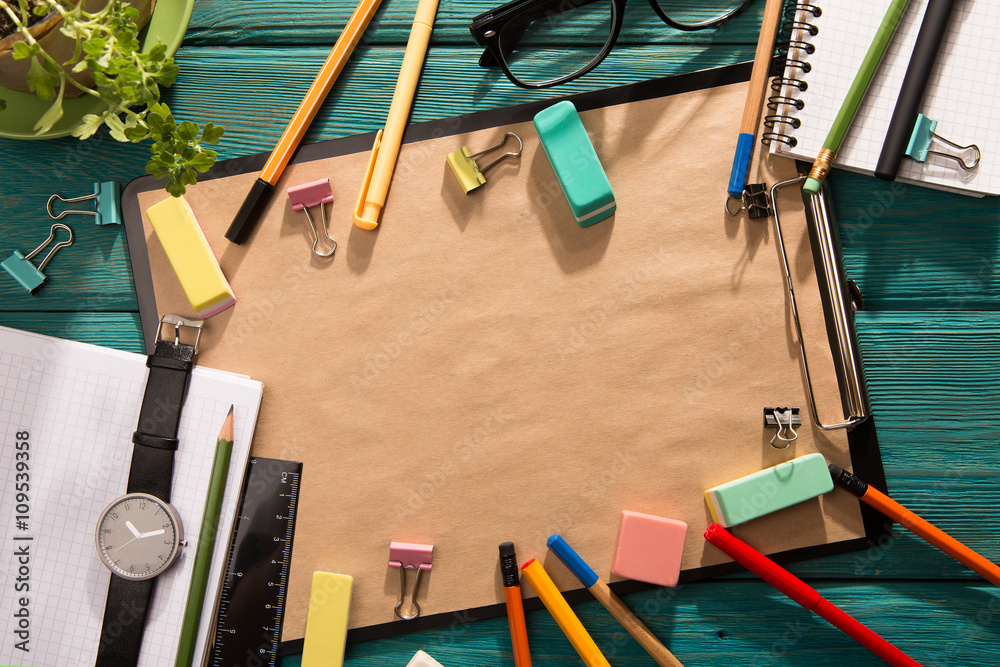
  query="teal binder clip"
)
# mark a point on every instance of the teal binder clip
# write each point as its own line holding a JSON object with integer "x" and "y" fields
{"x": 924, "y": 134}
{"x": 23, "y": 271}
{"x": 107, "y": 211}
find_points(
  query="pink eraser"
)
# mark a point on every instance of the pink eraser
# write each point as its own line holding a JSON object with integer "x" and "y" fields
{"x": 649, "y": 548}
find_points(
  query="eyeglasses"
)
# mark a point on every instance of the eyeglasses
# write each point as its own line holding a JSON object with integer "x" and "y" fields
{"x": 519, "y": 36}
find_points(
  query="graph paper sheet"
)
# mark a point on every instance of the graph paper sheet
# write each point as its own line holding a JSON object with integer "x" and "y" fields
{"x": 76, "y": 406}
{"x": 961, "y": 94}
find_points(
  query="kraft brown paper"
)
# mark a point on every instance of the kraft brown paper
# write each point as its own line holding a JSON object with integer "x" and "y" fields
{"x": 480, "y": 369}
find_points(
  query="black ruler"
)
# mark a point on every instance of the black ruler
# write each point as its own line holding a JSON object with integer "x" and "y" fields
{"x": 252, "y": 604}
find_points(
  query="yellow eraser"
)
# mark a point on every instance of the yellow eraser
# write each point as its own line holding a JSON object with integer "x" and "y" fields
{"x": 190, "y": 256}
{"x": 326, "y": 622}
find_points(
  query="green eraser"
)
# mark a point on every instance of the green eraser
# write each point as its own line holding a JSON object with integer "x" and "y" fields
{"x": 326, "y": 622}
{"x": 812, "y": 186}
{"x": 769, "y": 490}
{"x": 575, "y": 163}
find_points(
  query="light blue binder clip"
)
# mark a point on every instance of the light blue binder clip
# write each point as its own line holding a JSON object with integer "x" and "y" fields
{"x": 923, "y": 136}
{"x": 27, "y": 274}
{"x": 107, "y": 211}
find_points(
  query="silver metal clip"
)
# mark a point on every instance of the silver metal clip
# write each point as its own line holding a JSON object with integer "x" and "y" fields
{"x": 784, "y": 420}
{"x": 829, "y": 274}
{"x": 753, "y": 200}
{"x": 468, "y": 172}
{"x": 923, "y": 137}
{"x": 408, "y": 556}
{"x": 177, "y": 322}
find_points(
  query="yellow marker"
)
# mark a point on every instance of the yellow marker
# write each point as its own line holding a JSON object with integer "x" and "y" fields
{"x": 371, "y": 199}
{"x": 326, "y": 624}
{"x": 565, "y": 618}
{"x": 190, "y": 256}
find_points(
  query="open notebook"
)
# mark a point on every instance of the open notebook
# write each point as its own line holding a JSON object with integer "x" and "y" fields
{"x": 76, "y": 405}
{"x": 961, "y": 94}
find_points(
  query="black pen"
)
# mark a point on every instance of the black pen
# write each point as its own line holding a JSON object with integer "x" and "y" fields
{"x": 918, "y": 74}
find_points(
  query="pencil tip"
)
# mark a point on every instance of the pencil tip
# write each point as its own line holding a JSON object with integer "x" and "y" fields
{"x": 230, "y": 410}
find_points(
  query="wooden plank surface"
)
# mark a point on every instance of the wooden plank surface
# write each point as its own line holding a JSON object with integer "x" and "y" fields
{"x": 930, "y": 335}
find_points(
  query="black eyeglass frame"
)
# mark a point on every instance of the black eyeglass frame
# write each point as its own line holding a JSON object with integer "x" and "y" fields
{"x": 488, "y": 26}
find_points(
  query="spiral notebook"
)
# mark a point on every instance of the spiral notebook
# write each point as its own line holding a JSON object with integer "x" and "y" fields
{"x": 961, "y": 95}
{"x": 67, "y": 414}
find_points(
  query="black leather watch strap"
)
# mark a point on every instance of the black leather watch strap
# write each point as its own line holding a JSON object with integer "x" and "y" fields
{"x": 155, "y": 437}
{"x": 151, "y": 471}
{"x": 124, "y": 619}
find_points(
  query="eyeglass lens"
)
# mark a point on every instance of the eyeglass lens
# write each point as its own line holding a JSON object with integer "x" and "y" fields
{"x": 557, "y": 39}
{"x": 697, "y": 14}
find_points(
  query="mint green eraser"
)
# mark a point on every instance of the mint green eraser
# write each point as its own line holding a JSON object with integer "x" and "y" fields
{"x": 575, "y": 163}
{"x": 812, "y": 186}
{"x": 769, "y": 490}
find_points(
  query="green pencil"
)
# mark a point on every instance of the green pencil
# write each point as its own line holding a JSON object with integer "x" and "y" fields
{"x": 824, "y": 161}
{"x": 206, "y": 543}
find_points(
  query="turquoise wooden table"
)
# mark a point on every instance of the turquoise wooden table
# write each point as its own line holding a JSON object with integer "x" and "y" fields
{"x": 930, "y": 334}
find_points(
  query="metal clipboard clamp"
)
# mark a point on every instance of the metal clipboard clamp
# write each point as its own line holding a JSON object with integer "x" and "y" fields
{"x": 838, "y": 307}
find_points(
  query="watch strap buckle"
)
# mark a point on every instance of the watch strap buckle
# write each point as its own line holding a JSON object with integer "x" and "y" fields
{"x": 177, "y": 323}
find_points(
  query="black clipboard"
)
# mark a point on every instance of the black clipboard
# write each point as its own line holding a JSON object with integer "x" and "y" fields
{"x": 862, "y": 439}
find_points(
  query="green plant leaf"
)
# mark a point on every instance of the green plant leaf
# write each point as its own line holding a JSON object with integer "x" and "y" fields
{"x": 52, "y": 115}
{"x": 212, "y": 134}
{"x": 22, "y": 50}
{"x": 187, "y": 131}
{"x": 117, "y": 127}
{"x": 175, "y": 188}
{"x": 90, "y": 124}
{"x": 41, "y": 81}
{"x": 136, "y": 134}
{"x": 202, "y": 161}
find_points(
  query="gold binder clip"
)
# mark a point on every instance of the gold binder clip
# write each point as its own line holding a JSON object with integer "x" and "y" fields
{"x": 407, "y": 556}
{"x": 468, "y": 173}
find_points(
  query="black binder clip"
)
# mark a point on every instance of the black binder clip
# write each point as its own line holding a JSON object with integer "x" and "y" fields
{"x": 784, "y": 420}
{"x": 754, "y": 201}
{"x": 107, "y": 208}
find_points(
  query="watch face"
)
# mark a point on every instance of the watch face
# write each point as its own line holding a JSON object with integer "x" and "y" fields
{"x": 138, "y": 536}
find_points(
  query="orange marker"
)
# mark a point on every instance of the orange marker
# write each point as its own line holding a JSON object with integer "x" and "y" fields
{"x": 915, "y": 524}
{"x": 515, "y": 608}
{"x": 257, "y": 198}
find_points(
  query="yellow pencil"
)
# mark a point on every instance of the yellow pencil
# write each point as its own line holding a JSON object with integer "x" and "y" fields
{"x": 564, "y": 616}
{"x": 371, "y": 199}
{"x": 254, "y": 203}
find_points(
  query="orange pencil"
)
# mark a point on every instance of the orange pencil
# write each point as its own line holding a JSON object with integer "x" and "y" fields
{"x": 259, "y": 193}
{"x": 515, "y": 607}
{"x": 915, "y": 524}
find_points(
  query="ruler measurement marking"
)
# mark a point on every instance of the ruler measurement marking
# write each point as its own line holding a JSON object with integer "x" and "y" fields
{"x": 258, "y": 530}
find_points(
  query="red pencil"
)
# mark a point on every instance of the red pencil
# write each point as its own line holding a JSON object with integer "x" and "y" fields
{"x": 804, "y": 594}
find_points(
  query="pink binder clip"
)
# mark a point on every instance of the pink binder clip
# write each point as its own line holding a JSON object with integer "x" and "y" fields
{"x": 413, "y": 557}
{"x": 308, "y": 195}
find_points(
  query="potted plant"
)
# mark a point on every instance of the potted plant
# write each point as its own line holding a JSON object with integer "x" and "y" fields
{"x": 100, "y": 55}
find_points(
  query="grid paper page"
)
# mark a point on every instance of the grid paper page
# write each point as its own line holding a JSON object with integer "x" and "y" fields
{"x": 961, "y": 94}
{"x": 76, "y": 406}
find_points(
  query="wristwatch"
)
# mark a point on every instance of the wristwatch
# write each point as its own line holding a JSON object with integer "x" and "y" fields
{"x": 139, "y": 535}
